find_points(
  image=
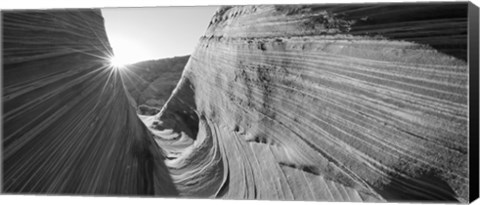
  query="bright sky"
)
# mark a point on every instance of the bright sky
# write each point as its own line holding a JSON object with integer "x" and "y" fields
{"x": 138, "y": 34}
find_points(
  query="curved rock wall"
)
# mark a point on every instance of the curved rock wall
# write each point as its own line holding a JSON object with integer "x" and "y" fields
{"x": 323, "y": 103}
{"x": 330, "y": 103}
{"x": 68, "y": 127}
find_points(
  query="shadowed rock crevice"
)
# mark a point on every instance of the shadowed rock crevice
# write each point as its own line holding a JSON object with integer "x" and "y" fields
{"x": 179, "y": 112}
{"x": 186, "y": 137}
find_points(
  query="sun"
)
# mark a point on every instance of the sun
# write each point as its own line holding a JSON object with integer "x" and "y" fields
{"x": 127, "y": 51}
{"x": 117, "y": 63}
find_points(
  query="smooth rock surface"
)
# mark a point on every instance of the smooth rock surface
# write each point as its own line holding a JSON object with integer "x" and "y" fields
{"x": 327, "y": 103}
{"x": 330, "y": 103}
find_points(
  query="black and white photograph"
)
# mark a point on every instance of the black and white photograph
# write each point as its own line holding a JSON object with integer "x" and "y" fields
{"x": 326, "y": 102}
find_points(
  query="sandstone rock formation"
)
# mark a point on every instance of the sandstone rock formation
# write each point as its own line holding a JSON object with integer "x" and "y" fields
{"x": 329, "y": 103}
{"x": 68, "y": 127}
{"x": 151, "y": 82}
{"x": 337, "y": 103}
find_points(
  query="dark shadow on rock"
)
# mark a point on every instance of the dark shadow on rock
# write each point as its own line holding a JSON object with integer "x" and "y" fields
{"x": 425, "y": 187}
{"x": 181, "y": 108}
{"x": 439, "y": 25}
{"x": 147, "y": 110}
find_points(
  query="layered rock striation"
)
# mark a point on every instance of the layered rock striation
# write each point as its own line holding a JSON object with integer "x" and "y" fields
{"x": 68, "y": 127}
{"x": 291, "y": 102}
{"x": 335, "y": 103}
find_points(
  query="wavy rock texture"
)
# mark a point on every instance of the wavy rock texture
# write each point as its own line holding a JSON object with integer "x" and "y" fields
{"x": 330, "y": 103}
{"x": 68, "y": 127}
{"x": 336, "y": 103}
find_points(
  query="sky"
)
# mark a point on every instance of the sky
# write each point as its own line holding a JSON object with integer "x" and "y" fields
{"x": 138, "y": 34}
